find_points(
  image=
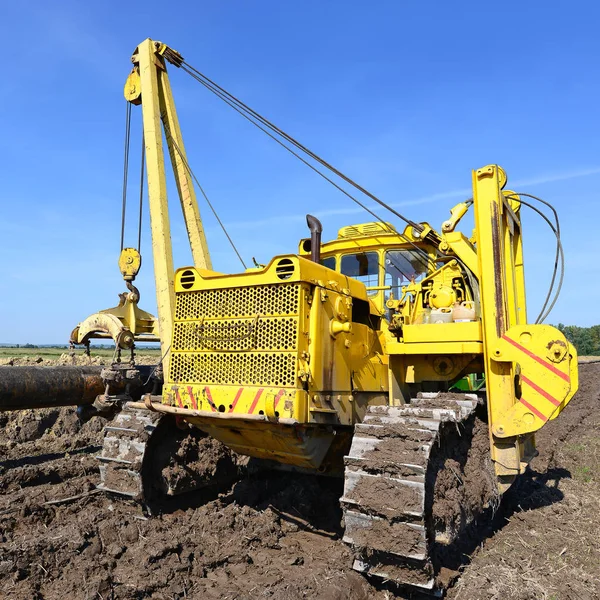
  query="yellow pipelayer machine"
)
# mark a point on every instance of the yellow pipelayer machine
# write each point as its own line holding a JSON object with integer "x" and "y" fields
{"x": 341, "y": 359}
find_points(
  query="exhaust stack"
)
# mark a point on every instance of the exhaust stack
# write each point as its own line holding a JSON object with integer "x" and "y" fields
{"x": 315, "y": 237}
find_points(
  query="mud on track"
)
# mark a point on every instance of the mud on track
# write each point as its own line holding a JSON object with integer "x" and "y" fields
{"x": 274, "y": 535}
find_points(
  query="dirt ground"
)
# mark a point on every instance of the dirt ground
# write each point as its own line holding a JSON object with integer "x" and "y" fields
{"x": 274, "y": 535}
{"x": 546, "y": 543}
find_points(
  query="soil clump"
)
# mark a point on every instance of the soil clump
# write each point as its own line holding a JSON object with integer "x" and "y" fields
{"x": 274, "y": 534}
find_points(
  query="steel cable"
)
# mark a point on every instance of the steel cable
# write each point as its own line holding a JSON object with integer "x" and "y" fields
{"x": 141, "y": 194}
{"x": 556, "y": 255}
{"x": 125, "y": 170}
{"x": 189, "y": 69}
{"x": 212, "y": 208}
{"x": 559, "y": 255}
{"x": 252, "y": 116}
{"x": 422, "y": 254}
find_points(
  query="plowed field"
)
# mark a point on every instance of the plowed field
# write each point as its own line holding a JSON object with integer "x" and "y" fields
{"x": 275, "y": 535}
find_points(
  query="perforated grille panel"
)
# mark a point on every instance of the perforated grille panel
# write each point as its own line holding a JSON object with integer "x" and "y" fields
{"x": 275, "y": 333}
{"x": 237, "y": 336}
{"x": 247, "y": 368}
{"x": 238, "y": 302}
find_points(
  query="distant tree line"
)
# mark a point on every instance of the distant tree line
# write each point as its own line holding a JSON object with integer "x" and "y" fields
{"x": 141, "y": 345}
{"x": 585, "y": 339}
{"x": 32, "y": 346}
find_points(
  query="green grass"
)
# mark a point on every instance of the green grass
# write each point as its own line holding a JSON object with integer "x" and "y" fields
{"x": 585, "y": 474}
{"x": 54, "y": 353}
{"x": 585, "y": 457}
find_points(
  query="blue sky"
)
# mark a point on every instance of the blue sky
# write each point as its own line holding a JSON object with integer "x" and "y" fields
{"x": 404, "y": 97}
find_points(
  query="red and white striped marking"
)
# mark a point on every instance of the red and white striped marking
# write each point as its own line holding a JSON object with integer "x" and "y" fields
{"x": 534, "y": 386}
{"x": 538, "y": 359}
{"x": 208, "y": 395}
{"x": 255, "y": 401}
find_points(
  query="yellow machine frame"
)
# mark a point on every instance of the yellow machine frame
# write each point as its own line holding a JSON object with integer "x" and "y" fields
{"x": 280, "y": 362}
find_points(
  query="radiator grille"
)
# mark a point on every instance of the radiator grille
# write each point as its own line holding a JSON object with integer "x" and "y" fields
{"x": 235, "y": 368}
{"x": 237, "y": 336}
{"x": 238, "y": 302}
{"x": 262, "y": 333}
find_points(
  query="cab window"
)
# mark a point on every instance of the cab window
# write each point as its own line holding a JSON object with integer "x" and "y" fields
{"x": 363, "y": 266}
{"x": 329, "y": 262}
{"x": 402, "y": 267}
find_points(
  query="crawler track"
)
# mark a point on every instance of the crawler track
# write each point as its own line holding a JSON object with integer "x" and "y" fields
{"x": 388, "y": 487}
{"x": 147, "y": 456}
{"x": 125, "y": 444}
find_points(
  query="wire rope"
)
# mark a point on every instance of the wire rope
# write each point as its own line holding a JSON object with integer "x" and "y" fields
{"x": 556, "y": 257}
{"x": 212, "y": 208}
{"x": 273, "y": 131}
{"x": 212, "y": 85}
{"x": 559, "y": 257}
{"x": 421, "y": 253}
{"x": 125, "y": 169}
{"x": 141, "y": 194}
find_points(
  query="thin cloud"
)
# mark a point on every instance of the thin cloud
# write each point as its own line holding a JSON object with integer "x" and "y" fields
{"x": 459, "y": 193}
{"x": 558, "y": 177}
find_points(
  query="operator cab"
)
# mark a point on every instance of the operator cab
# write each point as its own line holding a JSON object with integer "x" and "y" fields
{"x": 379, "y": 257}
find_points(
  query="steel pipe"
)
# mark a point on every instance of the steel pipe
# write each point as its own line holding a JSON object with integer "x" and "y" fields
{"x": 46, "y": 387}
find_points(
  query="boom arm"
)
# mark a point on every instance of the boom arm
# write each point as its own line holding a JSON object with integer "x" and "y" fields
{"x": 531, "y": 370}
{"x": 148, "y": 85}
